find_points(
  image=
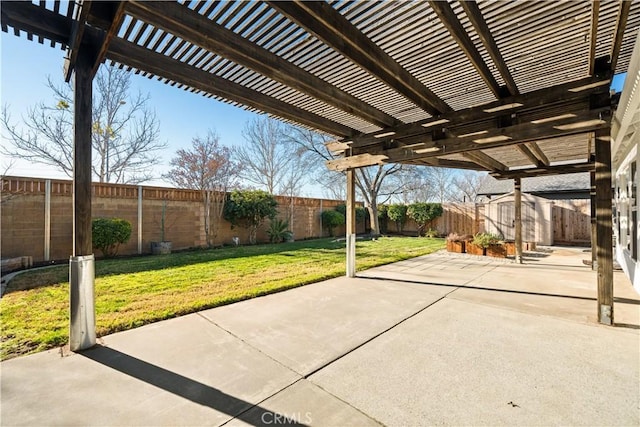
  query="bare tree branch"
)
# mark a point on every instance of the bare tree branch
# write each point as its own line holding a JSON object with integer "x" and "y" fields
{"x": 209, "y": 168}
{"x": 125, "y": 134}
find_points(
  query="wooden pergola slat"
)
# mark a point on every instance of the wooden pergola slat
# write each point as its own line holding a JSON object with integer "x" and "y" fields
{"x": 193, "y": 27}
{"x": 457, "y": 31}
{"x": 333, "y": 29}
{"x": 472, "y": 10}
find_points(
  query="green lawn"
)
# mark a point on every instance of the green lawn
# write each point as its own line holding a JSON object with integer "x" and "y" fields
{"x": 135, "y": 291}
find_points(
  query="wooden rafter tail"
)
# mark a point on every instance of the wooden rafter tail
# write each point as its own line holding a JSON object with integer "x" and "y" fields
{"x": 361, "y": 160}
{"x": 336, "y": 146}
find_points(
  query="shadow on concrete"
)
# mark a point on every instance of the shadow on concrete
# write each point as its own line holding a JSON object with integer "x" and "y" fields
{"x": 185, "y": 387}
{"x": 513, "y": 291}
{"x": 626, "y": 325}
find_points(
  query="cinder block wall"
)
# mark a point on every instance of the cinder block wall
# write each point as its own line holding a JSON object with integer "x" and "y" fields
{"x": 22, "y": 220}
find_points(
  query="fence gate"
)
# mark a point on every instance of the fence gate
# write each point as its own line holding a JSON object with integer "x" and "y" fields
{"x": 507, "y": 221}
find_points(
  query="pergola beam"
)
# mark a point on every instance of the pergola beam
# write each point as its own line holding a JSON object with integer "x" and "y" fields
{"x": 484, "y": 160}
{"x": 496, "y": 137}
{"x": 538, "y": 153}
{"x": 115, "y": 21}
{"x": 449, "y": 19}
{"x": 593, "y": 34}
{"x": 551, "y": 97}
{"x": 189, "y": 25}
{"x": 621, "y": 24}
{"x": 529, "y": 154}
{"x": 169, "y": 68}
{"x": 328, "y": 25}
{"x": 472, "y": 10}
{"x": 58, "y": 27}
{"x": 76, "y": 38}
{"x": 543, "y": 171}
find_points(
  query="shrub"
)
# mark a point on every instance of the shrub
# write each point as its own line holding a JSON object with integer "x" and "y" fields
{"x": 423, "y": 214}
{"x": 250, "y": 209}
{"x": 109, "y": 233}
{"x": 398, "y": 214}
{"x": 484, "y": 240}
{"x": 278, "y": 231}
{"x": 383, "y": 218}
{"x": 432, "y": 232}
{"x": 361, "y": 212}
{"x": 332, "y": 219}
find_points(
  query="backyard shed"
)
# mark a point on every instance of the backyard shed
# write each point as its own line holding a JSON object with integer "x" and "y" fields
{"x": 537, "y": 218}
{"x": 567, "y": 198}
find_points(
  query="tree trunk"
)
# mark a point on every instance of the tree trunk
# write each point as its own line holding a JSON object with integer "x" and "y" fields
{"x": 373, "y": 216}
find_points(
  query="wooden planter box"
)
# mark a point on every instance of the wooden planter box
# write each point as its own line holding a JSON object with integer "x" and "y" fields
{"x": 457, "y": 247}
{"x": 511, "y": 248}
{"x": 474, "y": 249}
{"x": 497, "y": 251}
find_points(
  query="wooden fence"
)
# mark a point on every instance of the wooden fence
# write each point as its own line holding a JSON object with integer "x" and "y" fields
{"x": 572, "y": 222}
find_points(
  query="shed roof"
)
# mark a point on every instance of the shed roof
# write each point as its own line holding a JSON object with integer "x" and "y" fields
{"x": 537, "y": 184}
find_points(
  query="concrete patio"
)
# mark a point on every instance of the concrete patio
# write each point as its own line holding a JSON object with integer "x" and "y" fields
{"x": 441, "y": 339}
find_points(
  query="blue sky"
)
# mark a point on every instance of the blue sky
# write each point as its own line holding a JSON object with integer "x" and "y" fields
{"x": 182, "y": 114}
{"x": 26, "y": 64}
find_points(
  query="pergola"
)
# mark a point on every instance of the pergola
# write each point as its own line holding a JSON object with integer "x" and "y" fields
{"x": 517, "y": 89}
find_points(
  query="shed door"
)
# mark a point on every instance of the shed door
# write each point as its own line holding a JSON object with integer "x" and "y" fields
{"x": 507, "y": 225}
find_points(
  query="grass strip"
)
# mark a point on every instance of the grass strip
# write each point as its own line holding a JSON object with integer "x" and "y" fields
{"x": 131, "y": 292}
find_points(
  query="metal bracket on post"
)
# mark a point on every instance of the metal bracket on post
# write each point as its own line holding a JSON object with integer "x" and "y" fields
{"x": 605, "y": 315}
{"x": 351, "y": 255}
{"x": 82, "y": 332}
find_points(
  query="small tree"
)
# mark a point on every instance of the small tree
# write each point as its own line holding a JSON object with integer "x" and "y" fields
{"x": 332, "y": 219}
{"x": 207, "y": 167}
{"x": 398, "y": 214}
{"x": 423, "y": 214}
{"x": 249, "y": 209}
{"x": 109, "y": 233}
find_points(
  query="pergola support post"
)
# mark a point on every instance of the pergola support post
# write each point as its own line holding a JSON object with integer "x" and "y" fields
{"x": 517, "y": 191}
{"x": 604, "y": 226}
{"x": 82, "y": 331}
{"x": 592, "y": 194}
{"x": 351, "y": 223}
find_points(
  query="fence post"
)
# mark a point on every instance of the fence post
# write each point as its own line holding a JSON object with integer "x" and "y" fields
{"x": 139, "y": 219}
{"x": 47, "y": 220}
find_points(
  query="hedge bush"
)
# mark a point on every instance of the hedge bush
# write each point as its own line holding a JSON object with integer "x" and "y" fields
{"x": 109, "y": 233}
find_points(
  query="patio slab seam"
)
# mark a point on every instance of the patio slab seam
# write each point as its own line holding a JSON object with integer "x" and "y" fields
{"x": 239, "y": 338}
{"x": 379, "y": 334}
{"x": 257, "y": 404}
{"x": 514, "y": 310}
